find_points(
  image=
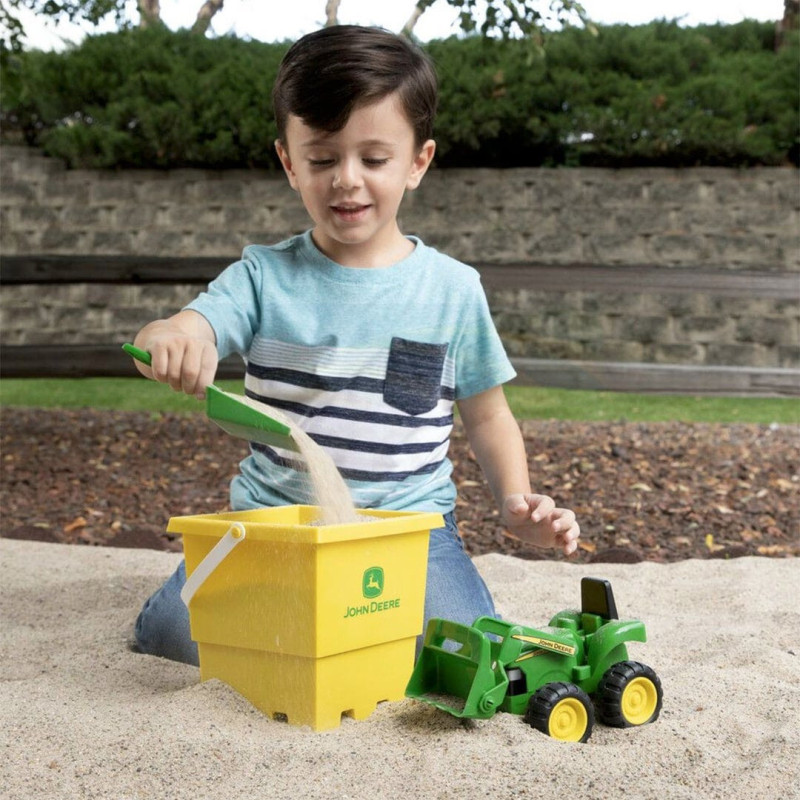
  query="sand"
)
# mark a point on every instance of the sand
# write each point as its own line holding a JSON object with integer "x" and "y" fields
{"x": 324, "y": 484}
{"x": 85, "y": 717}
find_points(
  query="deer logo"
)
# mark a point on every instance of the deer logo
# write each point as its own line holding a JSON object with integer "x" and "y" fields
{"x": 372, "y": 582}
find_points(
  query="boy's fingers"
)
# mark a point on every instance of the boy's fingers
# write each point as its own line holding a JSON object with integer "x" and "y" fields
{"x": 208, "y": 369}
{"x": 569, "y": 538}
{"x": 542, "y": 506}
{"x": 563, "y": 518}
{"x": 159, "y": 363}
{"x": 190, "y": 370}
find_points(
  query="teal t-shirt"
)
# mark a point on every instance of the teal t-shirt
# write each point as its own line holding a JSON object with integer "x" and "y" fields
{"x": 369, "y": 362}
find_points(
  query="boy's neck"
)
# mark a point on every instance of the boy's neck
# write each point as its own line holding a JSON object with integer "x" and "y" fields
{"x": 366, "y": 255}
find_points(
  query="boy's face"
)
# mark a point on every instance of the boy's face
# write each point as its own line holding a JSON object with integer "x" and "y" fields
{"x": 351, "y": 182}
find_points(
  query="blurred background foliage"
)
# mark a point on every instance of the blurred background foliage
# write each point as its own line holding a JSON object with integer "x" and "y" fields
{"x": 615, "y": 96}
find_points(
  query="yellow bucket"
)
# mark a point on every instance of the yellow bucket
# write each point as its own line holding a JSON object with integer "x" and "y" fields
{"x": 308, "y": 622}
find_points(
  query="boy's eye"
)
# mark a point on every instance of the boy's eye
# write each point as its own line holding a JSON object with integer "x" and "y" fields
{"x": 320, "y": 162}
{"x": 376, "y": 162}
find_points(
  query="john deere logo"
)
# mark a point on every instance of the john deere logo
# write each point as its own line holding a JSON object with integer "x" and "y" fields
{"x": 372, "y": 582}
{"x": 372, "y": 587}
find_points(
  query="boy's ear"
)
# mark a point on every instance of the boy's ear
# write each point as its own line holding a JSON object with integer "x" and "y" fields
{"x": 420, "y": 165}
{"x": 283, "y": 155}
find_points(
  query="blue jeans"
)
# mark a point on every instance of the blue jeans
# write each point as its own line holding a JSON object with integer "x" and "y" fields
{"x": 454, "y": 590}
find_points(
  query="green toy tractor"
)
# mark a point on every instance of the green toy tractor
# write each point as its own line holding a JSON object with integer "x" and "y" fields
{"x": 549, "y": 675}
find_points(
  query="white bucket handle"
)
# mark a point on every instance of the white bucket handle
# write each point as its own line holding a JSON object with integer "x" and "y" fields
{"x": 215, "y": 556}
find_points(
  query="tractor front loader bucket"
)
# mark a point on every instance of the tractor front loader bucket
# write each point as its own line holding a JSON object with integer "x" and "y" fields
{"x": 454, "y": 672}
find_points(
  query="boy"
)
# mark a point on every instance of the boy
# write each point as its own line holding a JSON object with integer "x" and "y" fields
{"x": 365, "y": 337}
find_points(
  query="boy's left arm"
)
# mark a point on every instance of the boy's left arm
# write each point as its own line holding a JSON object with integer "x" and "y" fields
{"x": 497, "y": 442}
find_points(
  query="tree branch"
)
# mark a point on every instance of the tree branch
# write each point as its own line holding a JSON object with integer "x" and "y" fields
{"x": 205, "y": 14}
{"x": 149, "y": 13}
{"x": 419, "y": 9}
{"x": 332, "y": 13}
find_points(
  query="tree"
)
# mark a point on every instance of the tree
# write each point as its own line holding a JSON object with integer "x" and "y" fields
{"x": 507, "y": 18}
{"x": 92, "y": 12}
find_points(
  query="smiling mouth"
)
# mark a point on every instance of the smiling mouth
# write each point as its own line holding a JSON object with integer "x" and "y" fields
{"x": 350, "y": 211}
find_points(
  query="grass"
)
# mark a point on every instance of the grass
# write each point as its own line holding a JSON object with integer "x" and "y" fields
{"x": 137, "y": 394}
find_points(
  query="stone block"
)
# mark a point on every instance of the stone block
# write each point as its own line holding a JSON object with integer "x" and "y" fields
{"x": 18, "y": 193}
{"x": 271, "y": 191}
{"x": 64, "y": 295}
{"x": 515, "y": 324}
{"x": 741, "y": 355}
{"x": 14, "y": 243}
{"x": 113, "y": 242}
{"x": 613, "y": 303}
{"x": 673, "y": 188}
{"x": 615, "y": 248}
{"x": 672, "y": 353}
{"x": 788, "y": 247}
{"x": 742, "y": 306}
{"x": 111, "y": 295}
{"x": 767, "y": 330}
{"x": 644, "y": 330}
{"x": 587, "y": 220}
{"x": 161, "y": 243}
{"x": 576, "y": 326}
{"x": 788, "y": 307}
{"x": 151, "y": 295}
{"x": 789, "y": 356}
{"x": 199, "y": 217}
{"x": 21, "y": 319}
{"x": 72, "y": 188}
{"x": 178, "y": 187}
{"x": 644, "y": 220}
{"x": 674, "y": 304}
{"x": 704, "y": 330}
{"x": 131, "y": 320}
{"x": 786, "y": 188}
{"x": 552, "y": 348}
{"x": 216, "y": 243}
{"x": 679, "y": 249}
{"x": 605, "y": 189}
{"x": 560, "y": 248}
{"x": 112, "y": 189}
{"x": 744, "y": 249}
{"x": 82, "y": 216}
{"x": 613, "y": 350}
{"x": 56, "y": 240}
{"x": 134, "y": 216}
{"x": 81, "y": 319}
{"x": 29, "y": 216}
{"x": 292, "y": 218}
{"x": 221, "y": 189}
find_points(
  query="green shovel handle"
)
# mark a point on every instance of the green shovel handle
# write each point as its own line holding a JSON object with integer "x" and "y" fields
{"x": 137, "y": 353}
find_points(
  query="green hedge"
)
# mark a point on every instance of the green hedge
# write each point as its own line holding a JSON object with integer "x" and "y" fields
{"x": 656, "y": 94}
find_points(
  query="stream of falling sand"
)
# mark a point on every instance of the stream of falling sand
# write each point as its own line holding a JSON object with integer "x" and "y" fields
{"x": 328, "y": 490}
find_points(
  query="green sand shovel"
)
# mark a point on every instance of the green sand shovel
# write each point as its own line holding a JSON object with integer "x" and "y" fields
{"x": 234, "y": 415}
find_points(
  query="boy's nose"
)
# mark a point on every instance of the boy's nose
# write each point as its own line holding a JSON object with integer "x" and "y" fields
{"x": 347, "y": 175}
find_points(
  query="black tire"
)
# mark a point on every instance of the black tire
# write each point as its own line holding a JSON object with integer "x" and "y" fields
{"x": 561, "y": 710}
{"x": 629, "y": 694}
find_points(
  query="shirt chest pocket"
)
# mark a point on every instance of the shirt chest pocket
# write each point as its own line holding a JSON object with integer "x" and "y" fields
{"x": 414, "y": 375}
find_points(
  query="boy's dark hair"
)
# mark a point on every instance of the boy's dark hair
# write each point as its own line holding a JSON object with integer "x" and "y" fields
{"x": 327, "y": 74}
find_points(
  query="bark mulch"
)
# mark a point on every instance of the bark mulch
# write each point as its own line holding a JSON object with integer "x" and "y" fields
{"x": 656, "y": 491}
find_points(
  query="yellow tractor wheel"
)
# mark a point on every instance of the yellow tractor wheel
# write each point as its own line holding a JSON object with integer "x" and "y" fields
{"x": 629, "y": 694}
{"x": 561, "y": 710}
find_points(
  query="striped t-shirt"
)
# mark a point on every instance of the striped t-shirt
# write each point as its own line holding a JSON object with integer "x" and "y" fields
{"x": 369, "y": 362}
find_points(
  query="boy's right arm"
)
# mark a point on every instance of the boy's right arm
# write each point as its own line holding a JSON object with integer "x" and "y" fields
{"x": 183, "y": 350}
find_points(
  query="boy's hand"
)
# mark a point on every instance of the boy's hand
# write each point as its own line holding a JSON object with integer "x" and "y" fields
{"x": 183, "y": 352}
{"x": 187, "y": 364}
{"x": 534, "y": 518}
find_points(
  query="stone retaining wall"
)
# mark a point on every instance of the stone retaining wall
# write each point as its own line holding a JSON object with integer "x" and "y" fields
{"x": 687, "y": 224}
